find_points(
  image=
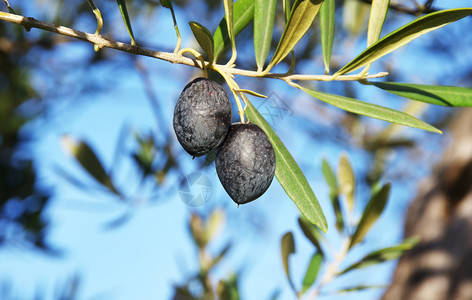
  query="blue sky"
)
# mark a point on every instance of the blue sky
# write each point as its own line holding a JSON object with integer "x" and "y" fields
{"x": 152, "y": 251}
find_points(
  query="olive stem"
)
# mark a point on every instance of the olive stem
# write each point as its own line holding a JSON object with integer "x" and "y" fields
{"x": 233, "y": 87}
{"x": 175, "y": 58}
{"x": 197, "y": 56}
{"x": 332, "y": 269}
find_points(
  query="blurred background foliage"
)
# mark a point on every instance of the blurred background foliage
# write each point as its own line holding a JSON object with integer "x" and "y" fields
{"x": 37, "y": 79}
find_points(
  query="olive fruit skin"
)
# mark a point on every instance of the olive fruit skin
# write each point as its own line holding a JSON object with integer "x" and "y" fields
{"x": 245, "y": 162}
{"x": 202, "y": 116}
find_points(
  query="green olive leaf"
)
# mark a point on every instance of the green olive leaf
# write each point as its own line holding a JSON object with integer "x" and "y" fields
{"x": 204, "y": 39}
{"x": 329, "y": 175}
{"x": 287, "y": 246}
{"x": 312, "y": 271}
{"x": 301, "y": 17}
{"x": 288, "y": 173}
{"x": 264, "y": 14}
{"x": 371, "y": 213}
{"x": 382, "y": 255}
{"x": 125, "y": 16}
{"x": 166, "y": 3}
{"x": 347, "y": 181}
{"x": 327, "y": 18}
{"x": 333, "y": 194}
{"x": 403, "y": 36}
{"x": 87, "y": 158}
{"x": 361, "y": 288}
{"x": 243, "y": 13}
{"x": 370, "y": 110}
{"x": 311, "y": 233}
{"x": 434, "y": 94}
{"x": 378, "y": 12}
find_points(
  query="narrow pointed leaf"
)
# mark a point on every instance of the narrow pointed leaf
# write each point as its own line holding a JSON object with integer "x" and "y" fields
{"x": 312, "y": 271}
{"x": 301, "y": 17}
{"x": 382, "y": 255}
{"x": 311, "y": 232}
{"x": 327, "y": 12}
{"x": 347, "y": 181}
{"x": 204, "y": 39}
{"x": 370, "y": 110}
{"x": 287, "y": 7}
{"x": 333, "y": 194}
{"x": 228, "y": 4}
{"x": 334, "y": 197}
{"x": 329, "y": 175}
{"x": 288, "y": 173}
{"x": 371, "y": 213}
{"x": 361, "y": 288}
{"x": 404, "y": 35}
{"x": 378, "y": 12}
{"x": 434, "y": 94}
{"x": 166, "y": 3}
{"x": 264, "y": 13}
{"x": 287, "y": 248}
{"x": 87, "y": 158}
{"x": 125, "y": 16}
{"x": 243, "y": 13}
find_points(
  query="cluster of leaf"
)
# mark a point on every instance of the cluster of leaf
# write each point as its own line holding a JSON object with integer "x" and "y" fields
{"x": 201, "y": 285}
{"x": 299, "y": 17}
{"x": 299, "y": 20}
{"x": 325, "y": 264}
{"x": 153, "y": 159}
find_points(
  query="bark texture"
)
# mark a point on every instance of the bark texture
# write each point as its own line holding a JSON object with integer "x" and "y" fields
{"x": 440, "y": 266}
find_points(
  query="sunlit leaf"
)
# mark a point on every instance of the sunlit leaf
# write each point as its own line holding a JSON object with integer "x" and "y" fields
{"x": 382, "y": 255}
{"x": 404, "y": 35}
{"x": 198, "y": 230}
{"x": 204, "y": 39}
{"x": 378, "y": 12}
{"x": 124, "y": 14}
{"x": 264, "y": 14}
{"x": 215, "y": 224}
{"x": 311, "y": 232}
{"x": 347, "y": 181}
{"x": 434, "y": 94}
{"x": 228, "y": 4}
{"x": 287, "y": 246}
{"x": 370, "y": 110}
{"x": 354, "y": 14}
{"x": 286, "y": 7}
{"x": 243, "y": 13}
{"x": 371, "y": 213}
{"x": 329, "y": 175}
{"x": 87, "y": 158}
{"x": 327, "y": 12}
{"x": 312, "y": 271}
{"x": 301, "y": 17}
{"x": 288, "y": 173}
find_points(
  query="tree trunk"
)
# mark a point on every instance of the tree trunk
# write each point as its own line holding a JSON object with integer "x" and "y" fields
{"x": 440, "y": 266}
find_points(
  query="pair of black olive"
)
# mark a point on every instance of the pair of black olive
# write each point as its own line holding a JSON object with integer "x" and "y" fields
{"x": 245, "y": 158}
